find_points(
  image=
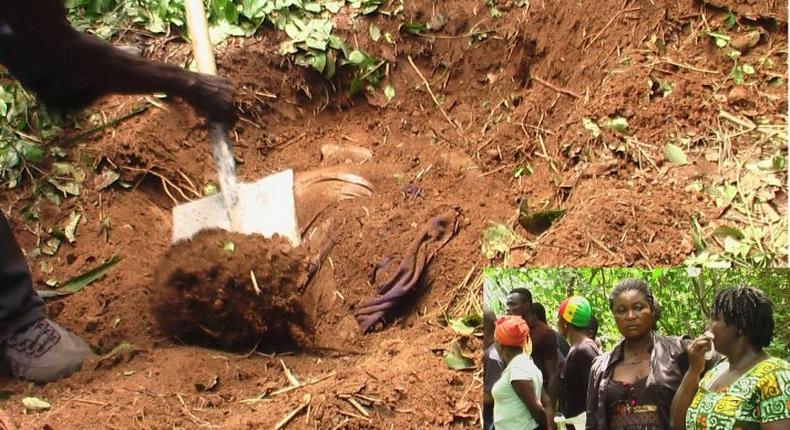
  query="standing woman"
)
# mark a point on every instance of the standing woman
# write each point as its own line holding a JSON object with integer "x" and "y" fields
{"x": 631, "y": 387}
{"x": 518, "y": 392}
{"x": 749, "y": 389}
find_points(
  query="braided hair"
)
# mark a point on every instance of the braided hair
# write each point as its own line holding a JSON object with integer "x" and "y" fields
{"x": 749, "y": 310}
{"x": 638, "y": 285}
{"x": 631, "y": 284}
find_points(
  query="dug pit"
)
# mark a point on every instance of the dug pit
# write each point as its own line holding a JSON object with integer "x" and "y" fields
{"x": 233, "y": 291}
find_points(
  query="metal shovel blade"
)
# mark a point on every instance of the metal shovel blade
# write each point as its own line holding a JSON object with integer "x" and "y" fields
{"x": 266, "y": 206}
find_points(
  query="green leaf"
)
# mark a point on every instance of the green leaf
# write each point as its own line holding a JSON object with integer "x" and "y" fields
{"x": 375, "y": 33}
{"x": 496, "y": 239}
{"x": 693, "y": 271}
{"x": 228, "y": 246}
{"x": 460, "y": 327}
{"x": 357, "y": 57}
{"x": 727, "y": 231}
{"x": 666, "y": 88}
{"x": 71, "y": 227}
{"x": 357, "y": 85}
{"x": 747, "y": 69}
{"x": 331, "y": 65}
{"x": 51, "y": 246}
{"x": 389, "y": 92}
{"x": 338, "y": 43}
{"x": 675, "y": 154}
{"x": 31, "y": 153}
{"x": 413, "y": 27}
{"x": 35, "y": 404}
{"x": 696, "y": 236}
{"x": 107, "y": 178}
{"x": 67, "y": 188}
{"x": 312, "y": 7}
{"x": 730, "y": 21}
{"x": 456, "y": 360}
{"x": 222, "y": 30}
{"x": 724, "y": 194}
{"x": 522, "y": 170}
{"x": 538, "y": 222}
{"x": 591, "y": 126}
{"x": 720, "y": 39}
{"x": 210, "y": 189}
{"x": 319, "y": 61}
{"x": 334, "y": 6}
{"x": 737, "y": 75}
{"x": 617, "y": 123}
{"x": 76, "y": 284}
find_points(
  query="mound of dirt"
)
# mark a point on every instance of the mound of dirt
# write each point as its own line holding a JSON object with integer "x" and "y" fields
{"x": 232, "y": 291}
{"x": 613, "y": 224}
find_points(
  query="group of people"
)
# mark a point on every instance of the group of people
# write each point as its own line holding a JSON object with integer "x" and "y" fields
{"x": 539, "y": 378}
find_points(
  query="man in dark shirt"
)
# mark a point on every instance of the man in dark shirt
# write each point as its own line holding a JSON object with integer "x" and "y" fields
{"x": 592, "y": 332}
{"x": 562, "y": 346}
{"x": 574, "y": 317}
{"x": 544, "y": 344}
{"x": 493, "y": 365}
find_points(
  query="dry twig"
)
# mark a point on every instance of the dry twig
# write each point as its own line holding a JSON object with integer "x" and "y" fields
{"x": 556, "y": 88}
{"x": 286, "y": 419}
{"x": 433, "y": 96}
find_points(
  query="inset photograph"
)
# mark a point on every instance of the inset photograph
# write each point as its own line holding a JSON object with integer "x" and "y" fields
{"x": 618, "y": 348}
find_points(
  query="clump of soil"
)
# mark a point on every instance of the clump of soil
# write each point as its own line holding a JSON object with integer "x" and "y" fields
{"x": 205, "y": 293}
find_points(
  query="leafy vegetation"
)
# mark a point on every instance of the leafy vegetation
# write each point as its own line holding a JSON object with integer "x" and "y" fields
{"x": 311, "y": 42}
{"x": 684, "y": 295}
{"x": 311, "y": 38}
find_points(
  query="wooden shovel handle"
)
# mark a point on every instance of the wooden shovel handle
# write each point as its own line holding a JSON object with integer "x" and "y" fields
{"x": 198, "y": 32}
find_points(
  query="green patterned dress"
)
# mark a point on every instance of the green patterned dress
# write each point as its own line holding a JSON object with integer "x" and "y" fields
{"x": 761, "y": 395}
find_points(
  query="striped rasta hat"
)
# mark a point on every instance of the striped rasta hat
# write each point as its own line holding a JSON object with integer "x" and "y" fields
{"x": 576, "y": 310}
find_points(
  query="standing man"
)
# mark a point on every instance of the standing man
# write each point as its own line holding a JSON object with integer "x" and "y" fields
{"x": 544, "y": 346}
{"x": 493, "y": 365}
{"x": 562, "y": 346}
{"x": 592, "y": 332}
{"x": 574, "y": 317}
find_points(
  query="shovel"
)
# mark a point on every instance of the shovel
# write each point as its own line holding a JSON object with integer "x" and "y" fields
{"x": 266, "y": 206}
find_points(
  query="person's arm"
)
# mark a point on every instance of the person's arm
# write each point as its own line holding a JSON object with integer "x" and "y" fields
{"x": 546, "y": 346}
{"x": 690, "y": 384}
{"x": 592, "y": 393}
{"x": 492, "y": 371}
{"x": 586, "y": 357}
{"x": 550, "y": 411}
{"x": 525, "y": 389}
{"x": 488, "y": 398}
{"x": 776, "y": 425}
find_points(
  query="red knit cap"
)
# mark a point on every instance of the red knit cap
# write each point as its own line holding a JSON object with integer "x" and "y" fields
{"x": 511, "y": 330}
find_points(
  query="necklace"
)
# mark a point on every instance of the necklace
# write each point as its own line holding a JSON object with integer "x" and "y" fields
{"x": 636, "y": 360}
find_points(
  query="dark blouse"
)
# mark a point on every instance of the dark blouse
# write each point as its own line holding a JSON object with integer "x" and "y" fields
{"x": 668, "y": 364}
{"x": 631, "y": 406}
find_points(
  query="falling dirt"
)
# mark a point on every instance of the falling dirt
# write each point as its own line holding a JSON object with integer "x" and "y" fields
{"x": 232, "y": 291}
{"x": 512, "y": 93}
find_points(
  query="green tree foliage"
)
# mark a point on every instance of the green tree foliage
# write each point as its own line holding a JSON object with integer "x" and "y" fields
{"x": 684, "y": 295}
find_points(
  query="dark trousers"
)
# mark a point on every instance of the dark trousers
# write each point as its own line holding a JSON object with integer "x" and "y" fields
{"x": 19, "y": 303}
